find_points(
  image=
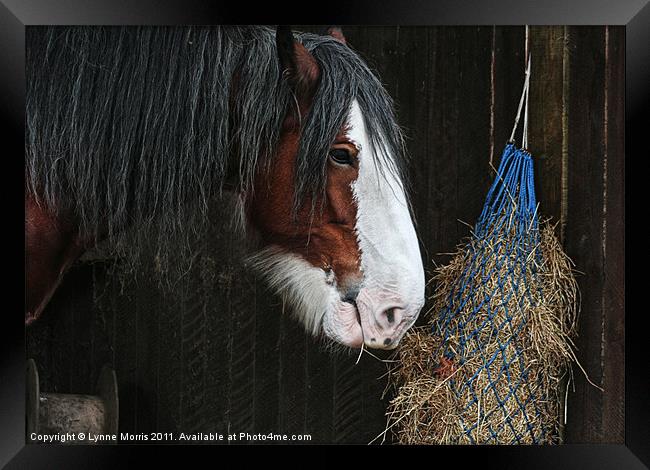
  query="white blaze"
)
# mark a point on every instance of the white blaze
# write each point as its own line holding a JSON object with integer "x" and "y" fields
{"x": 390, "y": 254}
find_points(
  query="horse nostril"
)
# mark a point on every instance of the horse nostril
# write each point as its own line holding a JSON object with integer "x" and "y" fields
{"x": 351, "y": 295}
{"x": 387, "y": 341}
{"x": 390, "y": 315}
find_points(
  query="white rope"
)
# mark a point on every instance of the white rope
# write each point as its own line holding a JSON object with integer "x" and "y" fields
{"x": 525, "y": 136}
{"x": 524, "y": 99}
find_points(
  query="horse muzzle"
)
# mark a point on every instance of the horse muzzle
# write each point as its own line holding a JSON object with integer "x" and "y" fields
{"x": 385, "y": 317}
{"x": 377, "y": 319}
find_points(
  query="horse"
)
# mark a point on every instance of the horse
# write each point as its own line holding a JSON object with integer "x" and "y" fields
{"x": 127, "y": 127}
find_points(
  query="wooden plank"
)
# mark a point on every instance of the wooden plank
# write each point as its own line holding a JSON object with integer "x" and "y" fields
{"x": 584, "y": 230}
{"x": 217, "y": 277}
{"x": 51, "y": 346}
{"x": 410, "y": 89}
{"x": 320, "y": 401}
{"x": 125, "y": 345}
{"x": 349, "y": 419}
{"x": 507, "y": 83}
{"x": 400, "y": 58}
{"x": 241, "y": 308}
{"x": 440, "y": 215}
{"x": 101, "y": 347}
{"x": 471, "y": 96}
{"x": 547, "y": 132}
{"x": 613, "y": 421}
{"x": 383, "y": 47}
{"x": 168, "y": 367}
{"x": 346, "y": 391}
{"x": 193, "y": 351}
{"x": 545, "y": 129}
{"x": 458, "y": 140}
{"x": 63, "y": 335}
{"x": 39, "y": 346}
{"x": 292, "y": 402}
{"x": 267, "y": 360}
{"x": 374, "y": 406}
{"x": 82, "y": 312}
{"x": 343, "y": 398}
{"x": 331, "y": 392}
{"x": 146, "y": 308}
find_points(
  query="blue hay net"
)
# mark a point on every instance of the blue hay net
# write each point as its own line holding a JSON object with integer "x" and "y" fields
{"x": 483, "y": 323}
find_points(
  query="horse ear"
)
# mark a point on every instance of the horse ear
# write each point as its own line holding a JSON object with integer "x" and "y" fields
{"x": 336, "y": 33}
{"x": 297, "y": 64}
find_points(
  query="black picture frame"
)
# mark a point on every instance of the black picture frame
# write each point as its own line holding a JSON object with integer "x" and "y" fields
{"x": 16, "y": 14}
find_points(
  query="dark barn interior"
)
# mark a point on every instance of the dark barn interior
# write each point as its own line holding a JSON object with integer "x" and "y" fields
{"x": 217, "y": 353}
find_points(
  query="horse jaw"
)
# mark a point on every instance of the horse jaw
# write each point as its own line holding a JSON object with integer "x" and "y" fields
{"x": 310, "y": 293}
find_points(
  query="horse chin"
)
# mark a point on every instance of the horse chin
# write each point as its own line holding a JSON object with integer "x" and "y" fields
{"x": 342, "y": 325}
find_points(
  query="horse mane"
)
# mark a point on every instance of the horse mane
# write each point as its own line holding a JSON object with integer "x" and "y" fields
{"x": 140, "y": 126}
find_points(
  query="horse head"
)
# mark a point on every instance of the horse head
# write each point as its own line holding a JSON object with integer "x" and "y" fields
{"x": 345, "y": 256}
{"x": 319, "y": 176}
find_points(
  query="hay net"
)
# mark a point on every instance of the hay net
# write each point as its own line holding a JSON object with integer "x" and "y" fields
{"x": 488, "y": 305}
{"x": 484, "y": 321}
{"x": 488, "y": 367}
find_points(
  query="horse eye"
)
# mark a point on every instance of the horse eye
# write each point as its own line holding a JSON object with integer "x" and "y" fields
{"x": 341, "y": 156}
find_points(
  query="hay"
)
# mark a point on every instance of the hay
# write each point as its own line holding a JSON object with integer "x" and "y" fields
{"x": 514, "y": 395}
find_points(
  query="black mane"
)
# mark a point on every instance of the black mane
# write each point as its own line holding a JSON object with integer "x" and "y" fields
{"x": 137, "y": 126}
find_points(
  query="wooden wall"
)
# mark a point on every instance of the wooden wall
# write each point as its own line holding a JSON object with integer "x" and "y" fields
{"x": 217, "y": 354}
